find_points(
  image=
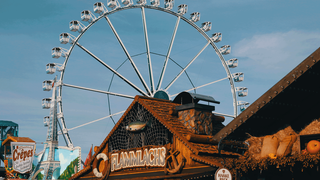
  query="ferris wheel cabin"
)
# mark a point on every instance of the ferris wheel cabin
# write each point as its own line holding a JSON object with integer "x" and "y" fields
{"x": 85, "y": 15}
{"x": 50, "y": 68}
{"x": 182, "y": 9}
{"x": 155, "y": 2}
{"x": 242, "y": 91}
{"x": 113, "y": 4}
{"x": 141, "y": 2}
{"x": 206, "y": 26}
{"x": 56, "y": 52}
{"x": 243, "y": 105}
{"x": 216, "y": 37}
{"x": 127, "y": 2}
{"x": 46, "y": 103}
{"x": 74, "y": 26}
{"x": 64, "y": 38}
{"x": 47, "y": 85}
{"x": 238, "y": 77}
{"x": 99, "y": 8}
{"x": 226, "y": 49}
{"x": 232, "y": 63}
{"x": 195, "y": 16}
{"x": 168, "y": 4}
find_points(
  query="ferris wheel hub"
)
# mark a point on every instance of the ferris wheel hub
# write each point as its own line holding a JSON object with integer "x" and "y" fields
{"x": 161, "y": 94}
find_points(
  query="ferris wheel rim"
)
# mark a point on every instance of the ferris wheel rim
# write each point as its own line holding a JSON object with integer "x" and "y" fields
{"x": 142, "y": 6}
{"x": 135, "y": 6}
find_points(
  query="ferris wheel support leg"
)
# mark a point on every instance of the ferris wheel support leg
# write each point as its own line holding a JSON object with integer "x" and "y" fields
{"x": 128, "y": 55}
{"x": 64, "y": 137}
{"x": 148, "y": 49}
{"x": 168, "y": 53}
{"x": 185, "y": 68}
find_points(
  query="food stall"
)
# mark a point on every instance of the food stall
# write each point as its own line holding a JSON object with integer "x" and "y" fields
{"x": 18, "y": 156}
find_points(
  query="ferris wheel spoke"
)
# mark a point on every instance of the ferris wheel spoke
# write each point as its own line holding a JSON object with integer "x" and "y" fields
{"x": 99, "y": 91}
{"x": 222, "y": 114}
{"x": 114, "y": 71}
{"x": 148, "y": 49}
{"x": 96, "y": 120}
{"x": 184, "y": 69}
{"x": 202, "y": 85}
{"x": 128, "y": 55}
{"x": 168, "y": 53}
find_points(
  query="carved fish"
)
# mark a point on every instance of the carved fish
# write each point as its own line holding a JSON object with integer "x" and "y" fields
{"x": 137, "y": 125}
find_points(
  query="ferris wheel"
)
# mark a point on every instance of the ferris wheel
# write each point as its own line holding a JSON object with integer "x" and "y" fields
{"x": 125, "y": 48}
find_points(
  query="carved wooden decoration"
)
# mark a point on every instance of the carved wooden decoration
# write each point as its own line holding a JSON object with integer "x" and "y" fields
{"x": 172, "y": 165}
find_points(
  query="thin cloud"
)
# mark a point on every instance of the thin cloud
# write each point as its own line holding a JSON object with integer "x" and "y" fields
{"x": 278, "y": 50}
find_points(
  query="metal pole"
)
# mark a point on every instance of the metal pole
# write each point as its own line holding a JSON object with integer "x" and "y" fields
{"x": 168, "y": 54}
{"x": 148, "y": 50}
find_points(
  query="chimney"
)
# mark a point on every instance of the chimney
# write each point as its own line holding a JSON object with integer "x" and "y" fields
{"x": 197, "y": 117}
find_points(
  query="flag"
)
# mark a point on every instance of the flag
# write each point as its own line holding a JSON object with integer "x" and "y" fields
{"x": 88, "y": 158}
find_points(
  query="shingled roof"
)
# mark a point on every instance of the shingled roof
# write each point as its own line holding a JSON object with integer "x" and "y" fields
{"x": 160, "y": 109}
{"x": 293, "y": 101}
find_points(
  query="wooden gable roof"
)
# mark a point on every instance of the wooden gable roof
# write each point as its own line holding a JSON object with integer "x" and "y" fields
{"x": 160, "y": 109}
{"x": 293, "y": 101}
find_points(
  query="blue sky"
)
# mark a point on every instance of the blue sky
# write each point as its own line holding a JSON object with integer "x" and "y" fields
{"x": 268, "y": 37}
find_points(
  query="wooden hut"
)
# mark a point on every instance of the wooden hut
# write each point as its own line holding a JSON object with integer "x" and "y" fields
{"x": 160, "y": 139}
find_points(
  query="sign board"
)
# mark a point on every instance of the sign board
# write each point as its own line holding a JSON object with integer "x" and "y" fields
{"x": 138, "y": 158}
{"x": 223, "y": 174}
{"x": 22, "y": 156}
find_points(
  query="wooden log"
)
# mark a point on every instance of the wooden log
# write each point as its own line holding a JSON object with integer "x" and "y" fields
{"x": 209, "y": 140}
{"x": 217, "y": 118}
{"x": 200, "y": 138}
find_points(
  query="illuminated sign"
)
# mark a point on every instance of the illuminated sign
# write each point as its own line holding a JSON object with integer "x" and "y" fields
{"x": 138, "y": 158}
{"x": 22, "y": 156}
